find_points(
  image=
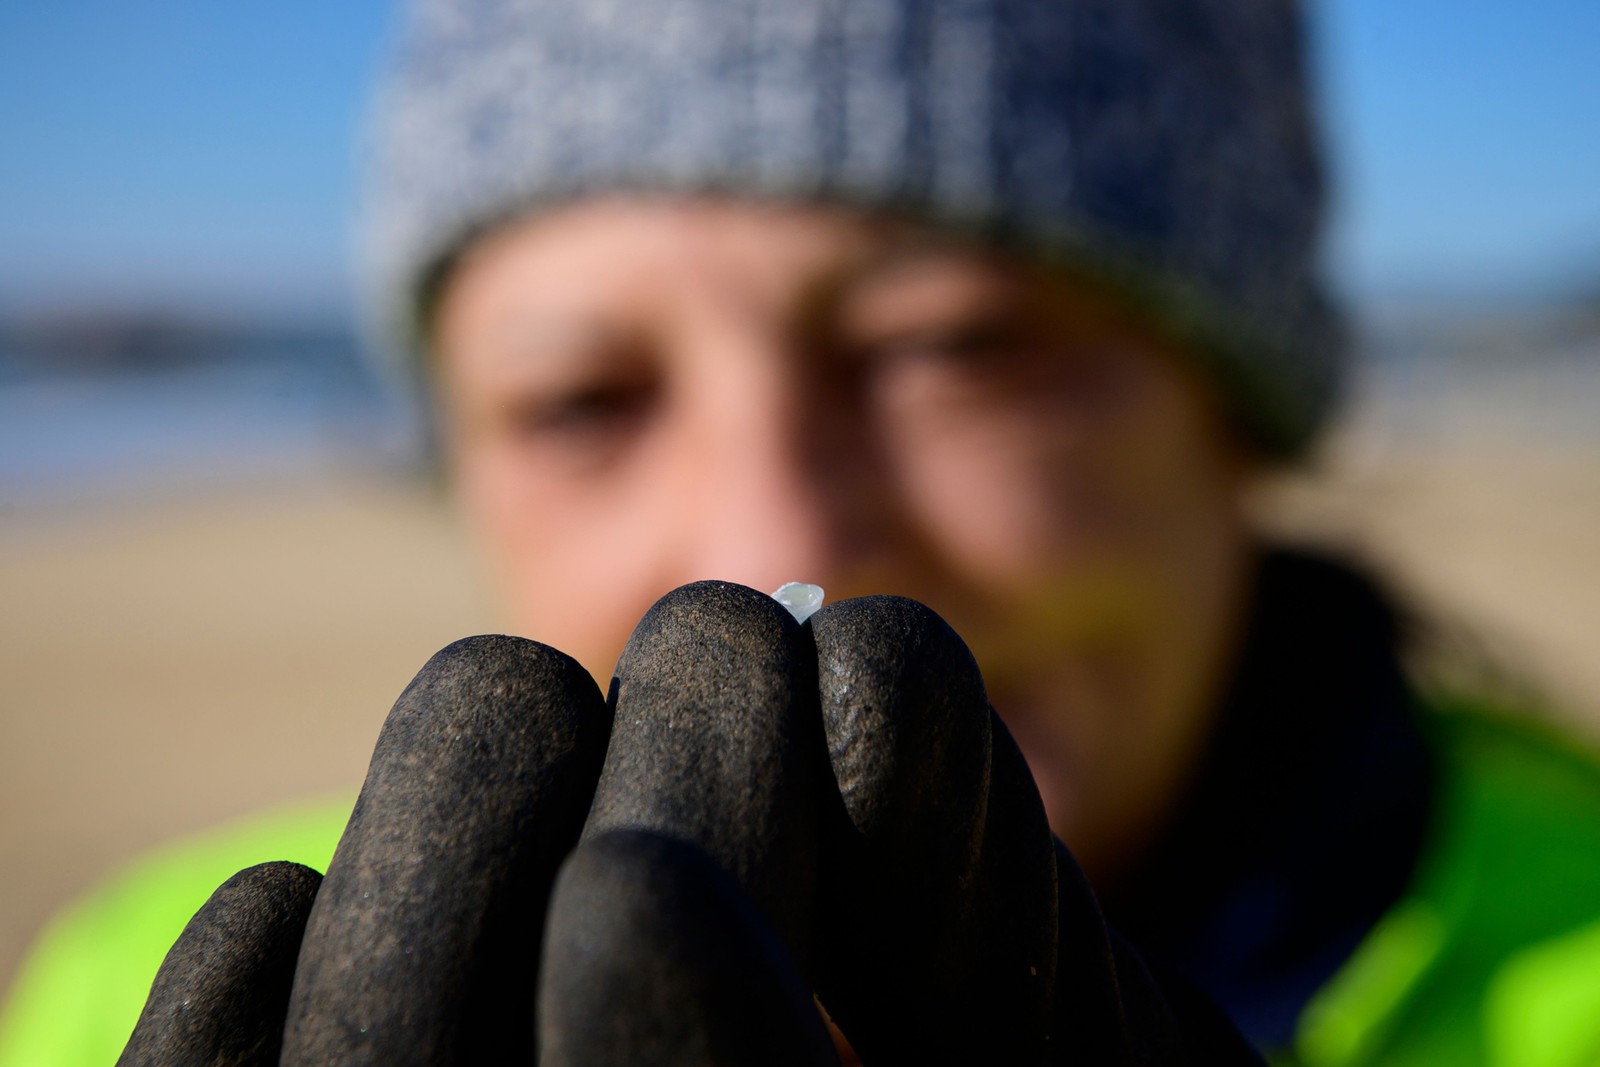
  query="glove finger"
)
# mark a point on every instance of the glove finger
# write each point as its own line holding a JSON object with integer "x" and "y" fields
{"x": 939, "y": 891}
{"x": 654, "y": 955}
{"x": 221, "y": 993}
{"x": 716, "y": 742}
{"x": 960, "y": 929}
{"x": 423, "y": 944}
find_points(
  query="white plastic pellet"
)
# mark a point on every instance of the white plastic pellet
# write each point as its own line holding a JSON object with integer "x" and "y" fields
{"x": 800, "y": 598}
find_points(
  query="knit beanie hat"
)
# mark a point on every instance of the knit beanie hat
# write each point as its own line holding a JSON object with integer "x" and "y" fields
{"x": 1164, "y": 147}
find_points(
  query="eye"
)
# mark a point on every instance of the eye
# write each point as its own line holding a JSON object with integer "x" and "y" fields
{"x": 942, "y": 368}
{"x": 970, "y": 346}
{"x": 588, "y": 418}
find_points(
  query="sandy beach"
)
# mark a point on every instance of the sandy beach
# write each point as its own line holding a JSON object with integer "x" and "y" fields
{"x": 169, "y": 664}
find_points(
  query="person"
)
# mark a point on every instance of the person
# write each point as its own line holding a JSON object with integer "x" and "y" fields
{"x": 1001, "y": 307}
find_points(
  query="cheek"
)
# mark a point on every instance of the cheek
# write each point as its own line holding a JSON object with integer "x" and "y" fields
{"x": 570, "y": 556}
{"x": 984, "y": 491}
{"x": 1012, "y": 488}
{"x": 1075, "y": 505}
{"x": 1178, "y": 473}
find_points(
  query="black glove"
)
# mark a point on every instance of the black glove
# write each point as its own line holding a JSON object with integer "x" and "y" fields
{"x": 757, "y": 831}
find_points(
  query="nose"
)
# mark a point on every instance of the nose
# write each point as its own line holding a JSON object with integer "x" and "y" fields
{"x": 789, "y": 490}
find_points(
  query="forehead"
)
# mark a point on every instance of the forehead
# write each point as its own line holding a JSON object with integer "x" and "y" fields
{"x": 645, "y": 251}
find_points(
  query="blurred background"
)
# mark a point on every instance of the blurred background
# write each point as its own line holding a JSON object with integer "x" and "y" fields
{"x": 219, "y": 563}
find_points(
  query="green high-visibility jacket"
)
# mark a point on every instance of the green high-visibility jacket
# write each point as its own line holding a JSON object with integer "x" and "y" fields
{"x": 1493, "y": 955}
{"x": 1491, "y": 958}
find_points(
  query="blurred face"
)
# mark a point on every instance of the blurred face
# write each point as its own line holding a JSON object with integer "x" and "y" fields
{"x": 642, "y": 393}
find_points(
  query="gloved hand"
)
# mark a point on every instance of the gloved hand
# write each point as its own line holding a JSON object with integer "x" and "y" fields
{"x": 781, "y": 808}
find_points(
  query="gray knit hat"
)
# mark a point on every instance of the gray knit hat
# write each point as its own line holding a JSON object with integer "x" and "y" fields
{"x": 1162, "y": 145}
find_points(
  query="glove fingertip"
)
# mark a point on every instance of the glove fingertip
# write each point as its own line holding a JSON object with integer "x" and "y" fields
{"x": 221, "y": 993}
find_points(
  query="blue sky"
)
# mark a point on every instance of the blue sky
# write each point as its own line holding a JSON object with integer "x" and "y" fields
{"x": 197, "y": 153}
{"x": 1466, "y": 138}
